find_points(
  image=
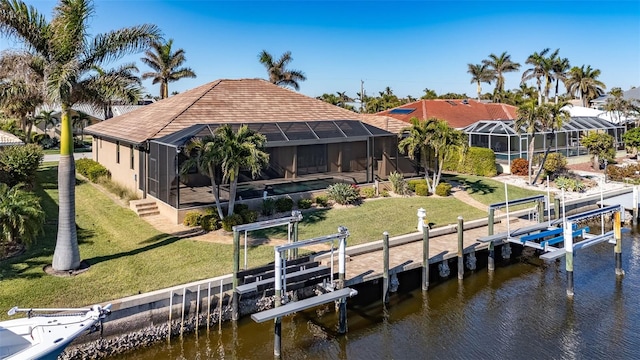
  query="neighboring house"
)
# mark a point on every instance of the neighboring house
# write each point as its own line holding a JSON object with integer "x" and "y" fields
{"x": 7, "y": 139}
{"x": 311, "y": 143}
{"x": 457, "y": 113}
{"x": 491, "y": 126}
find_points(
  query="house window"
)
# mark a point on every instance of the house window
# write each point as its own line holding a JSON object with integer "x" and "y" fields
{"x": 117, "y": 152}
{"x": 131, "y": 156}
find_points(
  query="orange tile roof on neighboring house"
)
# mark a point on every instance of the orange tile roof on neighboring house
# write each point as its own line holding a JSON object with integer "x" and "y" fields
{"x": 220, "y": 101}
{"x": 458, "y": 113}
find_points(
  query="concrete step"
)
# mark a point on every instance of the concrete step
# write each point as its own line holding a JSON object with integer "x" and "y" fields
{"x": 145, "y": 208}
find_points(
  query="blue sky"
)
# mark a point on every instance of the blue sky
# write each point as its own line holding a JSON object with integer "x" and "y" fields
{"x": 408, "y": 46}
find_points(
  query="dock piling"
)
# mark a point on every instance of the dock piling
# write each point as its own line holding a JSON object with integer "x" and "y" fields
{"x": 425, "y": 257}
{"x": 184, "y": 300}
{"x": 170, "y": 310}
{"x": 568, "y": 247}
{"x": 635, "y": 205}
{"x": 209, "y": 304}
{"x": 277, "y": 328}
{"x": 460, "y": 248}
{"x": 617, "y": 234}
{"x": 197, "y": 308}
{"x": 556, "y": 207}
{"x": 541, "y": 211}
{"x": 385, "y": 267}
{"x": 342, "y": 309}
{"x": 236, "y": 268}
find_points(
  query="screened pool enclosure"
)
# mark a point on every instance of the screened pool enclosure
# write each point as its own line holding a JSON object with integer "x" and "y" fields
{"x": 504, "y": 140}
{"x": 303, "y": 156}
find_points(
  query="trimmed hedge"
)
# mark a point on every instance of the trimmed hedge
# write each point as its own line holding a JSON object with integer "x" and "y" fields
{"x": 305, "y": 203}
{"x": 284, "y": 204}
{"x": 19, "y": 164}
{"x": 92, "y": 170}
{"x": 422, "y": 189}
{"x": 477, "y": 161}
{"x": 443, "y": 189}
{"x": 230, "y": 221}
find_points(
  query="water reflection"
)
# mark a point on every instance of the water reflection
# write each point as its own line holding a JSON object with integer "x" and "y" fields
{"x": 520, "y": 311}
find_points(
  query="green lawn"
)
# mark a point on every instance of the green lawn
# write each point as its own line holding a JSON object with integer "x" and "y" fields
{"x": 128, "y": 256}
{"x": 489, "y": 191}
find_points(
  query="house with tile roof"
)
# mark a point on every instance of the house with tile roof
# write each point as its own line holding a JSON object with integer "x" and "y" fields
{"x": 311, "y": 143}
{"x": 491, "y": 125}
{"x": 457, "y": 113}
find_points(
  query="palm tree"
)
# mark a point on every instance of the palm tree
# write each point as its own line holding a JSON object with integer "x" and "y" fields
{"x": 127, "y": 89}
{"x": 47, "y": 118}
{"x": 241, "y": 150}
{"x": 21, "y": 87}
{"x": 415, "y": 142}
{"x": 80, "y": 120}
{"x": 560, "y": 68}
{"x": 203, "y": 153}
{"x": 554, "y": 116}
{"x": 278, "y": 72}
{"x": 69, "y": 54}
{"x": 445, "y": 141}
{"x": 529, "y": 117}
{"x": 583, "y": 82}
{"x": 480, "y": 74}
{"x": 21, "y": 216}
{"x": 548, "y": 66}
{"x": 537, "y": 60}
{"x": 500, "y": 65}
{"x": 166, "y": 65}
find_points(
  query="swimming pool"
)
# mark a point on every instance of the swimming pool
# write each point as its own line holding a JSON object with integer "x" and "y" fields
{"x": 252, "y": 191}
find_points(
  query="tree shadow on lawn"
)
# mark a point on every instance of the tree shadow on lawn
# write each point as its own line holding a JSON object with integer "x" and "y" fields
{"x": 154, "y": 243}
{"x": 472, "y": 187}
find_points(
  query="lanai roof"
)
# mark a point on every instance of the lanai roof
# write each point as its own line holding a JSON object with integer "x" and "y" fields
{"x": 223, "y": 101}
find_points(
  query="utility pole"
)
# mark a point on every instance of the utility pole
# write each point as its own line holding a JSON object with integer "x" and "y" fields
{"x": 361, "y": 96}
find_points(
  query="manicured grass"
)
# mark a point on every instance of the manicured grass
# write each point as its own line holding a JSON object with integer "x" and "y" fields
{"x": 128, "y": 256}
{"x": 368, "y": 221}
{"x": 489, "y": 191}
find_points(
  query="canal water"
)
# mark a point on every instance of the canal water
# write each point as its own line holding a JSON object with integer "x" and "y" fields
{"x": 520, "y": 311}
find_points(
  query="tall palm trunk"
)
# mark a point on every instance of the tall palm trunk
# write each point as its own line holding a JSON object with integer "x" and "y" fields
{"x": 66, "y": 255}
{"x": 531, "y": 148}
{"x": 425, "y": 165}
{"x": 233, "y": 188}
{"x": 214, "y": 188}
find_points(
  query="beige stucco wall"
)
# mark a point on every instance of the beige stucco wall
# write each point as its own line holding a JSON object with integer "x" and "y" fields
{"x": 104, "y": 152}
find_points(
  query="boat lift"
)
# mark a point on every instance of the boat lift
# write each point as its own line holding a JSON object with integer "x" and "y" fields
{"x": 340, "y": 293}
{"x": 292, "y": 226}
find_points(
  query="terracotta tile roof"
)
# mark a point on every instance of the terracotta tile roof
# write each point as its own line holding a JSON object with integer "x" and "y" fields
{"x": 221, "y": 101}
{"x": 458, "y": 113}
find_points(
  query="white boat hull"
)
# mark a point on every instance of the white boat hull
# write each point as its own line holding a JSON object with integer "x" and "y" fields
{"x": 44, "y": 336}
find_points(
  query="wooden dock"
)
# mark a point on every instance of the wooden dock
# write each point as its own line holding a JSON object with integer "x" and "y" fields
{"x": 407, "y": 256}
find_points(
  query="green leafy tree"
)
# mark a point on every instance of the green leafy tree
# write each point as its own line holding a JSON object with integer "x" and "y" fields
{"x": 480, "y": 73}
{"x": 278, "y": 72}
{"x": 445, "y": 141}
{"x": 537, "y": 71}
{"x": 415, "y": 142}
{"x": 429, "y": 94}
{"x": 548, "y": 67}
{"x": 127, "y": 89}
{"x": 561, "y": 68}
{"x": 69, "y": 54}
{"x": 21, "y": 216}
{"x": 165, "y": 64}
{"x": 600, "y": 146}
{"x": 204, "y": 154}
{"x": 528, "y": 120}
{"x": 19, "y": 164}
{"x": 47, "y": 118}
{"x": 500, "y": 64}
{"x": 583, "y": 82}
{"x": 21, "y": 88}
{"x": 554, "y": 116}
{"x": 632, "y": 139}
{"x": 241, "y": 150}
{"x": 80, "y": 121}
